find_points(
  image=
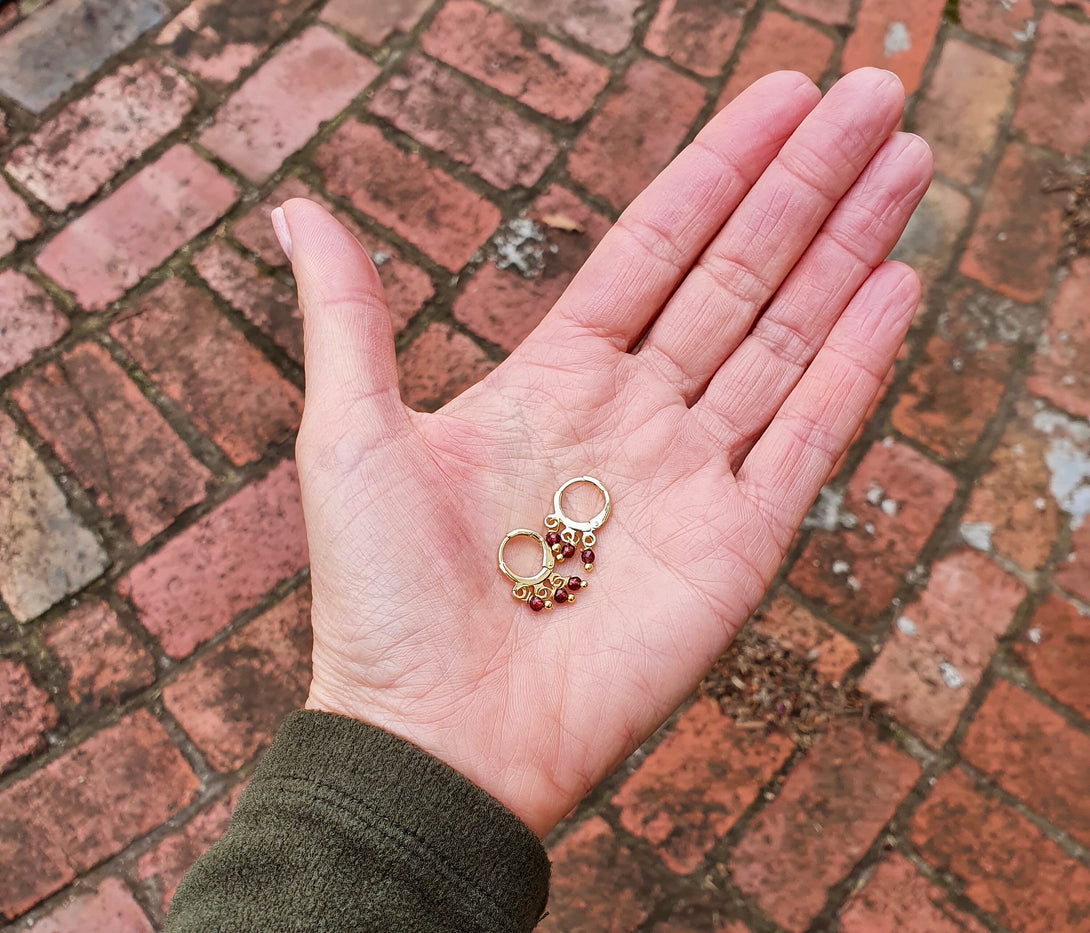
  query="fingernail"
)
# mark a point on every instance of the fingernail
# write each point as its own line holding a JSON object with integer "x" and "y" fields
{"x": 280, "y": 228}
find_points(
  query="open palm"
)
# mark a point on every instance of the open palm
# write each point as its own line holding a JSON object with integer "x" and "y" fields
{"x": 708, "y": 364}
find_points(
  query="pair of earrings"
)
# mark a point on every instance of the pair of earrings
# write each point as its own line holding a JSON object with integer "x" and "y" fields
{"x": 564, "y": 538}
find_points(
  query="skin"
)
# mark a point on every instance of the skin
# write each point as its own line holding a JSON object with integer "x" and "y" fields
{"x": 709, "y": 364}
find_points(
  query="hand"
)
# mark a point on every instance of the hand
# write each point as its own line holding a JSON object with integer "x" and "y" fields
{"x": 709, "y": 364}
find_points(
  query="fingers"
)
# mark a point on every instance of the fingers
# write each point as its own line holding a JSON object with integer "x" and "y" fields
{"x": 652, "y": 246}
{"x": 348, "y": 338}
{"x": 792, "y": 459}
{"x": 716, "y": 305}
{"x": 750, "y": 386}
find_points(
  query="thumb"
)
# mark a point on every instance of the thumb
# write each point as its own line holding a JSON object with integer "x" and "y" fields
{"x": 348, "y": 340}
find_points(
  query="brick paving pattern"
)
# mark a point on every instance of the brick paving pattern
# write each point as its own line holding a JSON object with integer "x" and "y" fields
{"x": 154, "y": 614}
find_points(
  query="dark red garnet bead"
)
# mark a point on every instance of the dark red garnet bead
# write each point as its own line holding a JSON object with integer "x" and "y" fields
{"x": 552, "y": 538}
{"x": 574, "y": 582}
{"x": 537, "y": 603}
{"x": 561, "y": 595}
{"x": 567, "y": 550}
{"x": 588, "y": 556}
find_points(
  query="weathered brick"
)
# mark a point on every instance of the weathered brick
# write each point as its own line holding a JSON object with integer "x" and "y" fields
{"x": 103, "y": 662}
{"x": 606, "y": 25}
{"x": 45, "y": 550}
{"x": 897, "y": 899}
{"x": 1061, "y": 366}
{"x": 63, "y": 42}
{"x": 113, "y": 439}
{"x": 597, "y": 884}
{"x": 399, "y": 190}
{"x": 442, "y": 110}
{"x": 897, "y": 497}
{"x": 1060, "y": 658}
{"x": 1004, "y": 21}
{"x": 636, "y": 132}
{"x": 310, "y": 80}
{"x": 1033, "y": 753}
{"x": 833, "y": 12}
{"x": 16, "y": 221}
{"x": 779, "y": 42}
{"x": 1054, "y": 108}
{"x": 696, "y": 783}
{"x": 893, "y": 35}
{"x": 86, "y": 806}
{"x": 200, "y": 580}
{"x": 25, "y": 713}
{"x": 1007, "y": 867}
{"x": 264, "y": 301}
{"x": 1073, "y": 572}
{"x": 218, "y": 39}
{"x": 534, "y": 70}
{"x": 232, "y": 700}
{"x": 697, "y": 36}
{"x": 963, "y": 108}
{"x": 102, "y": 254}
{"x": 937, "y": 651}
{"x": 932, "y": 231}
{"x": 829, "y": 812}
{"x": 407, "y": 287}
{"x": 29, "y": 320}
{"x": 111, "y": 907}
{"x": 440, "y": 364}
{"x": 798, "y": 630}
{"x": 1017, "y": 234}
{"x": 226, "y": 386}
{"x": 698, "y": 918}
{"x": 504, "y": 305}
{"x": 73, "y": 155}
{"x": 374, "y": 20}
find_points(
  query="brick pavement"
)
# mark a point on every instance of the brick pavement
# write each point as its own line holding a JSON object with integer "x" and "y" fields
{"x": 153, "y": 627}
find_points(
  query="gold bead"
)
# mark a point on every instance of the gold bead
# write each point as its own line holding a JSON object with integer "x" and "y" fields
{"x": 583, "y": 584}
{"x": 571, "y": 597}
{"x": 588, "y": 567}
{"x": 548, "y": 604}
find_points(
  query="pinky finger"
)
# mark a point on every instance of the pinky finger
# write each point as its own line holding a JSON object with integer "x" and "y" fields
{"x": 793, "y": 458}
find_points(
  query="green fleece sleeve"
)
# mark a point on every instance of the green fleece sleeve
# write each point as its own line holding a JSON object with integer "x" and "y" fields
{"x": 346, "y": 827}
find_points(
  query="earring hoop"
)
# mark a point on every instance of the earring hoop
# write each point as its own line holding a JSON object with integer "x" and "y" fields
{"x": 546, "y": 586}
{"x": 548, "y": 559}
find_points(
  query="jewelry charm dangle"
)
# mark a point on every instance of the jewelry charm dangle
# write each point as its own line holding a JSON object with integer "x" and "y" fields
{"x": 544, "y": 588}
{"x": 565, "y": 536}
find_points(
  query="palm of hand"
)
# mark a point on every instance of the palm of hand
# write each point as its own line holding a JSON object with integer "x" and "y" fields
{"x": 712, "y": 439}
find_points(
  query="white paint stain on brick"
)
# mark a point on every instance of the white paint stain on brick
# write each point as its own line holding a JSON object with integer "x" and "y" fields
{"x": 897, "y": 39}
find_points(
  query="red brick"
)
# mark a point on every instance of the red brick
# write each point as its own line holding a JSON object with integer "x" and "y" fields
{"x": 798, "y": 630}
{"x": 856, "y": 572}
{"x": 310, "y": 80}
{"x": 29, "y": 321}
{"x": 1005, "y": 22}
{"x": 222, "y": 565}
{"x": 1060, "y": 659}
{"x": 86, "y": 806}
{"x": 218, "y": 39}
{"x": 504, "y": 305}
{"x": 829, "y": 812}
{"x": 934, "y": 228}
{"x": 597, "y": 883}
{"x": 111, "y": 907}
{"x": 442, "y": 110}
{"x": 897, "y": 899}
{"x": 955, "y": 389}
{"x": 16, "y": 221}
{"x": 407, "y": 287}
{"x": 399, "y": 190}
{"x": 893, "y": 35}
{"x": 779, "y": 42}
{"x": 1033, "y": 753}
{"x": 963, "y": 108}
{"x": 231, "y": 702}
{"x": 1061, "y": 367}
{"x": 697, "y": 36}
{"x": 1054, "y": 109}
{"x": 25, "y": 713}
{"x": 696, "y": 783}
{"x": 605, "y": 26}
{"x": 162, "y": 868}
{"x": 533, "y": 70}
{"x": 113, "y": 439}
{"x": 1007, "y": 867}
{"x": 103, "y": 662}
{"x": 100, "y": 255}
{"x": 264, "y": 300}
{"x": 833, "y": 12}
{"x": 686, "y": 918}
{"x": 1073, "y": 572}
{"x": 1017, "y": 234}
{"x": 440, "y": 364}
{"x": 73, "y": 155}
{"x": 197, "y": 358}
{"x": 636, "y": 132}
{"x": 940, "y": 646}
{"x": 46, "y": 552}
{"x": 374, "y": 20}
